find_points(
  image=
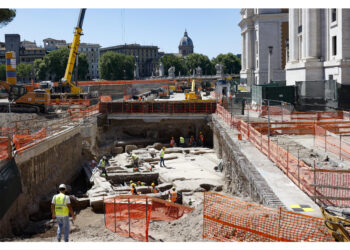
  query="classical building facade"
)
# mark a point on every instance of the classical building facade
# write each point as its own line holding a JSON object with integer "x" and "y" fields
{"x": 145, "y": 56}
{"x": 260, "y": 29}
{"x": 26, "y": 51}
{"x": 186, "y": 45}
{"x": 319, "y": 45}
{"x": 53, "y": 44}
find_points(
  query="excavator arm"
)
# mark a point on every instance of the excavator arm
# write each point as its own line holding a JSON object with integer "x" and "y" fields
{"x": 67, "y": 79}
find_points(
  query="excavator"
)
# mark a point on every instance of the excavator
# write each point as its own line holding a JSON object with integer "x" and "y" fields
{"x": 21, "y": 98}
{"x": 337, "y": 223}
{"x": 65, "y": 86}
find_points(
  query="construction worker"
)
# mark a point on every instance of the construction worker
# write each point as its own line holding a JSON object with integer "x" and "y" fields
{"x": 133, "y": 189}
{"x": 172, "y": 142}
{"x": 135, "y": 159}
{"x": 182, "y": 142}
{"x": 60, "y": 210}
{"x": 139, "y": 183}
{"x": 201, "y": 139}
{"x": 192, "y": 142}
{"x": 154, "y": 189}
{"x": 102, "y": 165}
{"x": 131, "y": 182}
{"x": 162, "y": 152}
{"x": 173, "y": 195}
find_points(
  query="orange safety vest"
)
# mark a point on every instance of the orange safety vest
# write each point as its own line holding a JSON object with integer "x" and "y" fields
{"x": 154, "y": 190}
{"x": 201, "y": 137}
{"x": 133, "y": 191}
{"x": 173, "y": 196}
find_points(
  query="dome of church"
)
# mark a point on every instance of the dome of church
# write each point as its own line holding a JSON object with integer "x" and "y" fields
{"x": 186, "y": 41}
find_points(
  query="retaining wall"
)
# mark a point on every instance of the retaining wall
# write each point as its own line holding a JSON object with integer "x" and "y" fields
{"x": 42, "y": 168}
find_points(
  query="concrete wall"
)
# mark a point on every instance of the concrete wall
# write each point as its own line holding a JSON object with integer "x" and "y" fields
{"x": 42, "y": 168}
{"x": 241, "y": 177}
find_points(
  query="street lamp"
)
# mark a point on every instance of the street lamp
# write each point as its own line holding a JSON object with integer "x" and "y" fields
{"x": 269, "y": 73}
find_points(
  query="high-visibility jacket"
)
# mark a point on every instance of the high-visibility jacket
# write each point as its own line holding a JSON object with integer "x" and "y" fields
{"x": 102, "y": 163}
{"x": 201, "y": 137}
{"x": 182, "y": 140}
{"x": 133, "y": 191}
{"x": 61, "y": 207}
{"x": 162, "y": 153}
{"x": 173, "y": 196}
{"x": 154, "y": 190}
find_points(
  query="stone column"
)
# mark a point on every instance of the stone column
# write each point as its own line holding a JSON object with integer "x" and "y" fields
{"x": 312, "y": 31}
{"x": 250, "y": 33}
{"x": 293, "y": 35}
{"x": 243, "y": 51}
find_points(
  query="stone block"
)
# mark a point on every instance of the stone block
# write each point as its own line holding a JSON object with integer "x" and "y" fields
{"x": 129, "y": 148}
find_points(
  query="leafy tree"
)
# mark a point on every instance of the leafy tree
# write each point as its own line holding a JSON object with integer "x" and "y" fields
{"x": 24, "y": 71}
{"x": 40, "y": 69}
{"x": 56, "y": 63}
{"x": 115, "y": 66}
{"x": 230, "y": 62}
{"x": 2, "y": 72}
{"x": 6, "y": 16}
{"x": 195, "y": 60}
{"x": 177, "y": 62}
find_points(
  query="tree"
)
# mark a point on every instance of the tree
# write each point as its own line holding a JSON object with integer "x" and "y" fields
{"x": 195, "y": 60}
{"x": 2, "y": 72}
{"x": 115, "y": 66}
{"x": 56, "y": 63}
{"x": 24, "y": 71}
{"x": 6, "y": 16}
{"x": 40, "y": 69}
{"x": 177, "y": 62}
{"x": 230, "y": 62}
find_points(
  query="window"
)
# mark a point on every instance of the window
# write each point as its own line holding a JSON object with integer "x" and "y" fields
{"x": 334, "y": 15}
{"x": 334, "y": 45}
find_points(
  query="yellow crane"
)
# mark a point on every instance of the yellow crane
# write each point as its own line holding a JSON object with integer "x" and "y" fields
{"x": 67, "y": 79}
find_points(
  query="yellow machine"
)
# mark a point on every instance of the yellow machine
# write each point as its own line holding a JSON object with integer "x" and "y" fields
{"x": 22, "y": 98}
{"x": 337, "y": 225}
{"x": 67, "y": 79}
{"x": 193, "y": 95}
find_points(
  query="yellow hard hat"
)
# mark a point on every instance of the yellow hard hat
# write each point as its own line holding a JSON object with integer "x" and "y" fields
{"x": 153, "y": 184}
{"x": 131, "y": 181}
{"x": 164, "y": 147}
{"x": 173, "y": 188}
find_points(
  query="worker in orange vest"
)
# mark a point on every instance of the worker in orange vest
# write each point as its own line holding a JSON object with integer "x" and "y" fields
{"x": 133, "y": 189}
{"x": 173, "y": 195}
{"x": 172, "y": 142}
{"x": 154, "y": 188}
{"x": 201, "y": 139}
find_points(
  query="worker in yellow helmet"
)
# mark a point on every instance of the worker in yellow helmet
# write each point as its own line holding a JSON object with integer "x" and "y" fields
{"x": 162, "y": 152}
{"x": 135, "y": 159}
{"x": 154, "y": 189}
{"x": 60, "y": 209}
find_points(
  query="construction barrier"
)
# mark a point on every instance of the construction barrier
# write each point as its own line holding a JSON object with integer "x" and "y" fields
{"x": 78, "y": 113}
{"x": 331, "y": 187}
{"x": 229, "y": 219}
{"x": 4, "y": 148}
{"x": 129, "y": 215}
{"x": 23, "y": 142}
{"x": 206, "y": 107}
{"x": 58, "y": 101}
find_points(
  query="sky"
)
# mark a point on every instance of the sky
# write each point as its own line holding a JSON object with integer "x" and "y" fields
{"x": 213, "y": 31}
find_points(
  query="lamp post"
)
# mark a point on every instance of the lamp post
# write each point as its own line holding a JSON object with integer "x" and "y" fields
{"x": 269, "y": 73}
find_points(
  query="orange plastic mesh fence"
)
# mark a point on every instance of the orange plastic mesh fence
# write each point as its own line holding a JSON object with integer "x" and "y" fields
{"x": 23, "y": 142}
{"x": 229, "y": 219}
{"x": 129, "y": 215}
{"x": 4, "y": 143}
{"x": 77, "y": 113}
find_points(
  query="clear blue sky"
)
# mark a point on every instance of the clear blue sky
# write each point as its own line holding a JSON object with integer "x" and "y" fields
{"x": 213, "y": 31}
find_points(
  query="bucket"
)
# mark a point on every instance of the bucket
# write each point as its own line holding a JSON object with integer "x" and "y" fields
{"x": 239, "y": 136}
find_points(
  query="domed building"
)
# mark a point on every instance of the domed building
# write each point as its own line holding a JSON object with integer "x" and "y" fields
{"x": 186, "y": 45}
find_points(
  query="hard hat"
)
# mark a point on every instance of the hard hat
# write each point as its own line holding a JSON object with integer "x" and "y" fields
{"x": 131, "y": 181}
{"x": 134, "y": 185}
{"x": 164, "y": 147}
{"x": 200, "y": 132}
{"x": 153, "y": 184}
{"x": 173, "y": 188}
{"x": 62, "y": 186}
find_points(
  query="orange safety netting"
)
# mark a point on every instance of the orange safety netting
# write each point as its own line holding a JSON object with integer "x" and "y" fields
{"x": 4, "y": 148}
{"x": 129, "y": 215}
{"x": 23, "y": 142}
{"x": 325, "y": 186}
{"x": 58, "y": 101}
{"x": 106, "y": 98}
{"x": 77, "y": 113}
{"x": 229, "y": 219}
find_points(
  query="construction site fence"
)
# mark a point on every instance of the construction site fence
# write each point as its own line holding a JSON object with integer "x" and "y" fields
{"x": 324, "y": 186}
{"x": 229, "y": 219}
{"x": 129, "y": 215}
{"x": 206, "y": 107}
{"x": 69, "y": 101}
{"x": 38, "y": 130}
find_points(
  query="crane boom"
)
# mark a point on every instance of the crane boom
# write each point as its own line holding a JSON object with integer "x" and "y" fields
{"x": 73, "y": 54}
